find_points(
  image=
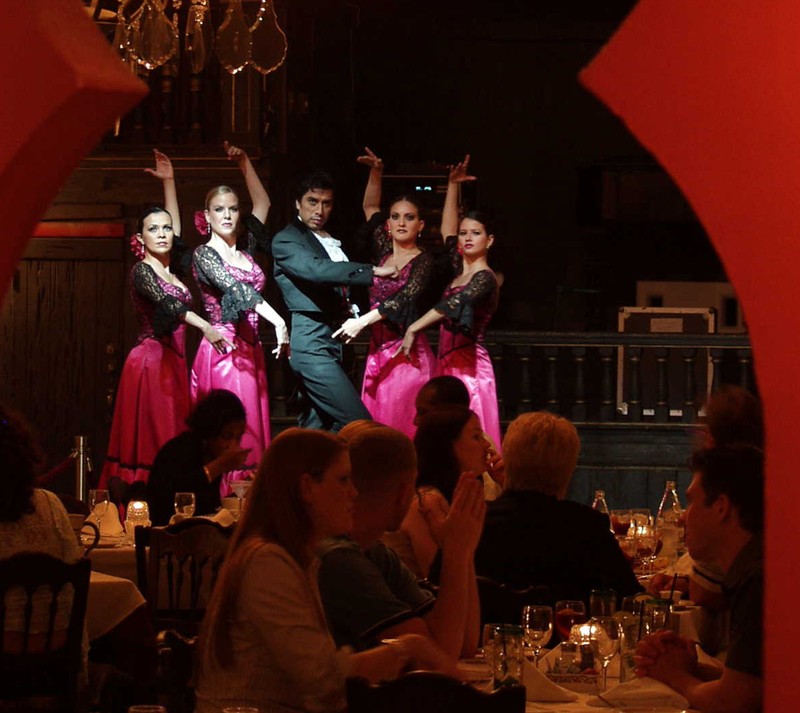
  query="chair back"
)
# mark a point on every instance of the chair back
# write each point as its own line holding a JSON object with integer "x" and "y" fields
{"x": 501, "y": 604}
{"x": 427, "y": 692}
{"x": 179, "y": 570}
{"x": 39, "y": 658}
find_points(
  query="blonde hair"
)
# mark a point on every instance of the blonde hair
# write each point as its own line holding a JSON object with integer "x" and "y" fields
{"x": 379, "y": 456}
{"x": 218, "y": 191}
{"x": 540, "y": 451}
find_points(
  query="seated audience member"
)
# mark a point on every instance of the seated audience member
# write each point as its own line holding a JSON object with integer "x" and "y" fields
{"x": 449, "y": 441}
{"x": 532, "y": 534}
{"x": 195, "y": 461}
{"x": 448, "y": 390}
{"x": 724, "y": 522}
{"x": 31, "y": 520}
{"x": 733, "y": 416}
{"x": 265, "y": 642}
{"x": 367, "y": 592}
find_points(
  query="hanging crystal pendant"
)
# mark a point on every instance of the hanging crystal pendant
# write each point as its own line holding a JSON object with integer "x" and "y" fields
{"x": 153, "y": 38}
{"x": 269, "y": 41}
{"x": 198, "y": 35}
{"x": 233, "y": 39}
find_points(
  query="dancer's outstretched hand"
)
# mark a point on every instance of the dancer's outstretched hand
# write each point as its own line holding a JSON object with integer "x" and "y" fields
{"x": 282, "y": 337}
{"x": 349, "y": 330}
{"x": 458, "y": 172}
{"x": 370, "y": 159}
{"x": 218, "y": 340}
{"x": 163, "y": 170}
{"x": 235, "y": 153}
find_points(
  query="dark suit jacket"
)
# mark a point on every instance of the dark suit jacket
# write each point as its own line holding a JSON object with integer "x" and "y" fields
{"x": 310, "y": 281}
{"x": 531, "y": 538}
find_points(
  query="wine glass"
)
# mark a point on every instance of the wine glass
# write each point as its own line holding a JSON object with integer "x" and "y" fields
{"x": 604, "y": 638}
{"x": 99, "y": 501}
{"x": 240, "y": 489}
{"x": 184, "y": 504}
{"x": 568, "y": 613}
{"x": 621, "y": 522}
{"x": 538, "y": 624}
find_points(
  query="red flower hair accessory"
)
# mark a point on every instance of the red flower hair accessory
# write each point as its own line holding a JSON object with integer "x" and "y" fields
{"x": 201, "y": 224}
{"x": 136, "y": 247}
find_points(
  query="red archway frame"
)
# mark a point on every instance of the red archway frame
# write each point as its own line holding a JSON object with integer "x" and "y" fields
{"x": 712, "y": 89}
{"x": 62, "y": 87}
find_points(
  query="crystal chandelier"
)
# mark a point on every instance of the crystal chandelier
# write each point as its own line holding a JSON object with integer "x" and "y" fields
{"x": 148, "y": 35}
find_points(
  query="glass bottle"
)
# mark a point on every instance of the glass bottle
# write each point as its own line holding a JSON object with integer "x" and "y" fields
{"x": 599, "y": 503}
{"x": 668, "y": 522}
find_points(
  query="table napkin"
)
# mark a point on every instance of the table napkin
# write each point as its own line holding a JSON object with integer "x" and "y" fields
{"x": 642, "y": 692}
{"x": 109, "y": 525}
{"x": 540, "y": 688}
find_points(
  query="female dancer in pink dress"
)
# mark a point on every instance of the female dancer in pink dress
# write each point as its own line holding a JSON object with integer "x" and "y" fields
{"x": 466, "y": 307}
{"x": 391, "y": 378}
{"x": 230, "y": 282}
{"x": 152, "y": 399}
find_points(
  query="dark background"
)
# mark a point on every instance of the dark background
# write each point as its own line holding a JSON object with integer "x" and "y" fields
{"x": 583, "y": 210}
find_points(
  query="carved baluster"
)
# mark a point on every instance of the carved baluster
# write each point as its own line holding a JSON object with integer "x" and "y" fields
{"x": 551, "y": 379}
{"x": 195, "y": 135}
{"x": 607, "y": 402}
{"x": 579, "y": 405}
{"x": 745, "y": 358}
{"x": 496, "y": 355}
{"x": 662, "y": 384}
{"x": 280, "y": 383}
{"x": 716, "y": 368}
{"x": 167, "y": 108}
{"x": 525, "y": 402}
{"x": 634, "y": 357}
{"x": 689, "y": 385}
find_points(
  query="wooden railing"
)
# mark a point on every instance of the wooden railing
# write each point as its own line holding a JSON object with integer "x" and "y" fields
{"x": 600, "y": 377}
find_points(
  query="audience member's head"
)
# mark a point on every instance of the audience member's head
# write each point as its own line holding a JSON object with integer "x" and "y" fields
{"x": 353, "y": 428}
{"x": 449, "y": 441}
{"x": 384, "y": 469}
{"x": 735, "y": 472}
{"x": 216, "y": 413}
{"x": 21, "y": 458}
{"x": 540, "y": 451}
{"x": 733, "y": 415}
{"x": 438, "y": 392}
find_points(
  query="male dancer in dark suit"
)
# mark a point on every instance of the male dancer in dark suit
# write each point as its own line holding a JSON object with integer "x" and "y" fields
{"x": 313, "y": 274}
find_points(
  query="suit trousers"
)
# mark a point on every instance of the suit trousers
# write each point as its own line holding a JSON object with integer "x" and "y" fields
{"x": 316, "y": 359}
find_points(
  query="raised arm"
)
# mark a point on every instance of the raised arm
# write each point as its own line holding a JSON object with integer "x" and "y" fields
{"x": 163, "y": 172}
{"x": 372, "y": 192}
{"x": 255, "y": 188}
{"x": 458, "y": 175}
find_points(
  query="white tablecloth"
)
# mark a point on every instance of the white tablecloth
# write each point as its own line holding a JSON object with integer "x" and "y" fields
{"x": 111, "y": 599}
{"x": 117, "y": 561}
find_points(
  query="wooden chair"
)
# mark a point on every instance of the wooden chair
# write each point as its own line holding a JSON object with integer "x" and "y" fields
{"x": 73, "y": 505}
{"x": 177, "y": 574}
{"x": 501, "y": 604}
{"x": 427, "y": 692}
{"x": 39, "y": 670}
{"x": 176, "y": 665}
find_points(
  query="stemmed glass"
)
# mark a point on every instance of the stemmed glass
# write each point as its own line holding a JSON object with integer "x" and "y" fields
{"x": 537, "y": 621}
{"x": 604, "y": 638}
{"x": 568, "y": 613}
{"x": 240, "y": 489}
{"x": 99, "y": 501}
{"x": 184, "y": 504}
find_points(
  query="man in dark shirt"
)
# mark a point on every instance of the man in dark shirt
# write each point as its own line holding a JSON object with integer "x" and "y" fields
{"x": 724, "y": 523}
{"x": 532, "y": 535}
{"x": 367, "y": 592}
